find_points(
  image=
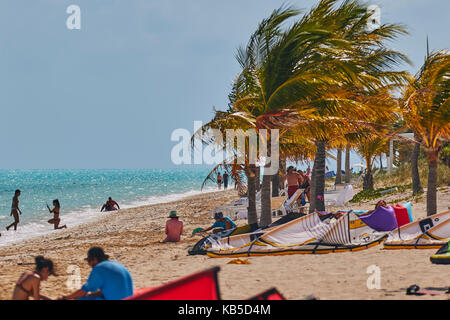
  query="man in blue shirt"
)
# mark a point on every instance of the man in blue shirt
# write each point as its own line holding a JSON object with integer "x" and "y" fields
{"x": 222, "y": 223}
{"x": 109, "y": 280}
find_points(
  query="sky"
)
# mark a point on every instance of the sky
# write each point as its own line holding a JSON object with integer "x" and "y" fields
{"x": 110, "y": 94}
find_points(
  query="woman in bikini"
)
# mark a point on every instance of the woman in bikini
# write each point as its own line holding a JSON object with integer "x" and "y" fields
{"x": 55, "y": 221}
{"x": 15, "y": 211}
{"x": 29, "y": 282}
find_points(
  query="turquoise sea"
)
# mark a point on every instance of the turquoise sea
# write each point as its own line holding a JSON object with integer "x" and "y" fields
{"x": 82, "y": 193}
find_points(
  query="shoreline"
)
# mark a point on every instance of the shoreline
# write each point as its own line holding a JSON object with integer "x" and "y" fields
{"x": 87, "y": 215}
{"x": 131, "y": 236}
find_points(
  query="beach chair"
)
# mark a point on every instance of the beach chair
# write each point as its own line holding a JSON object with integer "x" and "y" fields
{"x": 341, "y": 199}
{"x": 277, "y": 205}
{"x": 291, "y": 204}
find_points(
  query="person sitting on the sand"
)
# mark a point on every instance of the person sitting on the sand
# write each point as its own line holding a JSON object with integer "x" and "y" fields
{"x": 174, "y": 228}
{"x": 56, "y": 220}
{"x": 108, "y": 280}
{"x": 110, "y": 205}
{"x": 29, "y": 282}
{"x": 222, "y": 223}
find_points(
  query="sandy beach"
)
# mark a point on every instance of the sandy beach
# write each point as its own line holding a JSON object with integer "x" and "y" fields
{"x": 132, "y": 237}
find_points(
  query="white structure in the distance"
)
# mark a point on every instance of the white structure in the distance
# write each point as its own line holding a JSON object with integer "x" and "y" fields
{"x": 390, "y": 157}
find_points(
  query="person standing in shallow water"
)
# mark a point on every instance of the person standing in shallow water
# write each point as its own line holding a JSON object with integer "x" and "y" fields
{"x": 56, "y": 220}
{"x": 225, "y": 180}
{"x": 15, "y": 211}
{"x": 219, "y": 181}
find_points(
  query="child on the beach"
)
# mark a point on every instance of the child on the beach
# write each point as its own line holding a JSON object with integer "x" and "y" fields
{"x": 56, "y": 220}
{"x": 29, "y": 282}
{"x": 15, "y": 211}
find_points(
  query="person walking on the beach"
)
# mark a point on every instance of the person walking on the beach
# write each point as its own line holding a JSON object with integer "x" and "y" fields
{"x": 110, "y": 205}
{"x": 15, "y": 211}
{"x": 219, "y": 180}
{"x": 225, "y": 180}
{"x": 29, "y": 282}
{"x": 108, "y": 280}
{"x": 174, "y": 228}
{"x": 56, "y": 220}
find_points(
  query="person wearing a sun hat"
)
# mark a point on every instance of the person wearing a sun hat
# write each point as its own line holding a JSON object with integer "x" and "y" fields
{"x": 174, "y": 228}
{"x": 108, "y": 280}
{"x": 222, "y": 223}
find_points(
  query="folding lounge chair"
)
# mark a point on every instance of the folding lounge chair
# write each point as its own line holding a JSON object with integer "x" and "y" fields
{"x": 291, "y": 204}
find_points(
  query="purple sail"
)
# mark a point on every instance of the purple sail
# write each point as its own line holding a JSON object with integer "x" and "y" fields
{"x": 382, "y": 219}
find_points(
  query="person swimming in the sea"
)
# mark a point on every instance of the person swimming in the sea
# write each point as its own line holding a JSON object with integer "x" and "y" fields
{"x": 56, "y": 210}
{"x": 29, "y": 282}
{"x": 110, "y": 205}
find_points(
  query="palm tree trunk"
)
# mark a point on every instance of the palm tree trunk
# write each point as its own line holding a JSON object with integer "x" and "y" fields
{"x": 319, "y": 178}
{"x": 368, "y": 177}
{"x": 266, "y": 209}
{"x": 312, "y": 188}
{"x": 339, "y": 167}
{"x": 252, "y": 216}
{"x": 347, "y": 165}
{"x": 432, "y": 183}
{"x": 276, "y": 185}
{"x": 417, "y": 186}
{"x": 258, "y": 178}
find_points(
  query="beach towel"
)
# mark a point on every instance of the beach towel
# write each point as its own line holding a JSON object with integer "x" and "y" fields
{"x": 381, "y": 219}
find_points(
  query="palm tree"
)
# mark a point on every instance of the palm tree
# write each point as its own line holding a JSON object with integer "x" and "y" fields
{"x": 338, "y": 167}
{"x": 347, "y": 165}
{"x": 307, "y": 68}
{"x": 417, "y": 185}
{"x": 426, "y": 110}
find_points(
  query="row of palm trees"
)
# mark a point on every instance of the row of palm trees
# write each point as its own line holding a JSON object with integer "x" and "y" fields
{"x": 327, "y": 81}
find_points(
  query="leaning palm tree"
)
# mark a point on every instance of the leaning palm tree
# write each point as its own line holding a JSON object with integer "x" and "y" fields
{"x": 426, "y": 111}
{"x": 308, "y": 68}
